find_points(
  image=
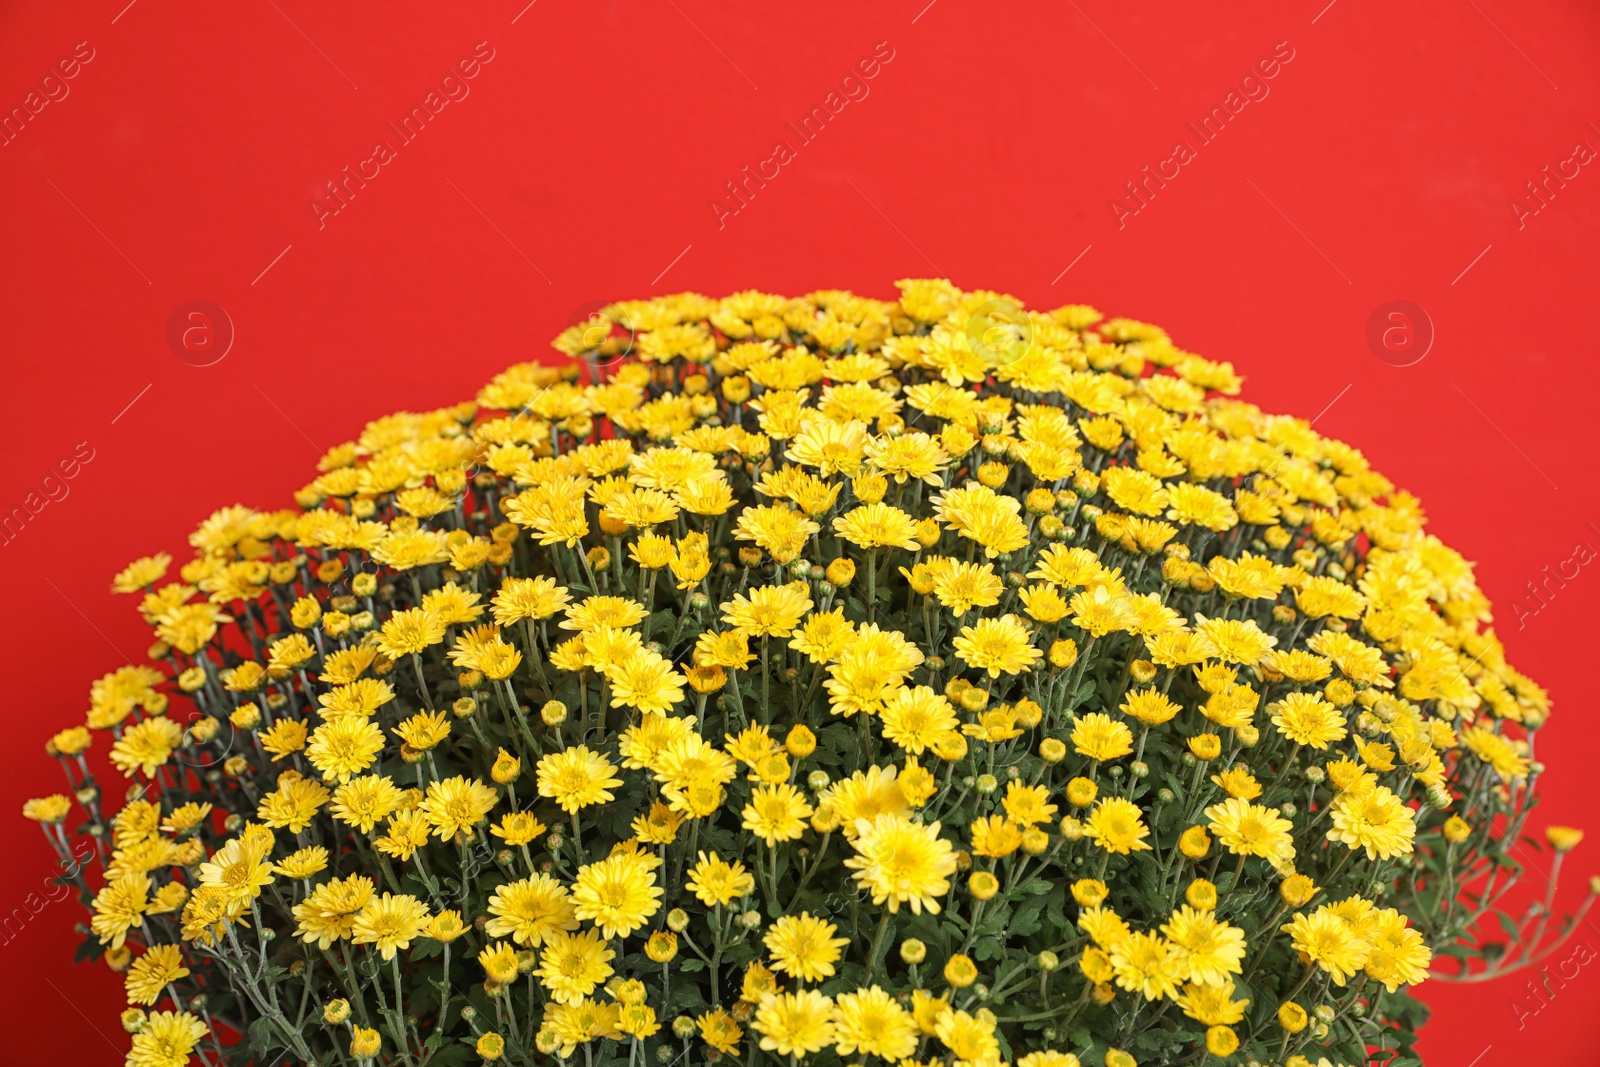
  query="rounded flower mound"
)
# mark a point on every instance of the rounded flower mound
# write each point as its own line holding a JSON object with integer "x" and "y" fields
{"x": 807, "y": 678}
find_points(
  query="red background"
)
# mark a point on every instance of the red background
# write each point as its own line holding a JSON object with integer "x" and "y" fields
{"x": 580, "y": 170}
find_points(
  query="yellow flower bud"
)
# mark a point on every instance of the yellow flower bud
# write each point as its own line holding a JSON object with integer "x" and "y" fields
{"x": 1089, "y": 892}
{"x": 506, "y": 768}
{"x": 1194, "y": 842}
{"x": 364, "y": 1043}
{"x": 1563, "y": 838}
{"x": 951, "y": 747}
{"x": 1201, "y": 894}
{"x": 993, "y": 474}
{"x": 1222, "y": 1041}
{"x": 1096, "y": 965}
{"x": 800, "y": 741}
{"x": 662, "y": 946}
{"x": 825, "y": 819}
{"x": 1339, "y": 692}
{"x": 707, "y": 680}
{"x": 960, "y": 971}
{"x": 1063, "y": 653}
{"x": 957, "y": 440}
{"x": 1297, "y": 890}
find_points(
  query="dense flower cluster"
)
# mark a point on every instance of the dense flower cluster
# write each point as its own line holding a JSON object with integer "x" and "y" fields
{"x": 913, "y": 682}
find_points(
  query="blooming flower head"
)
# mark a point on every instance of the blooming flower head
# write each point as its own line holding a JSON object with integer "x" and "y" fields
{"x": 528, "y": 598}
{"x": 1248, "y": 829}
{"x": 872, "y": 1023}
{"x": 573, "y": 965}
{"x": 823, "y": 636}
{"x": 618, "y": 894}
{"x": 1209, "y": 949}
{"x": 718, "y": 1029}
{"x": 980, "y": 514}
{"x": 962, "y": 586}
{"x": 797, "y": 1023}
{"x": 902, "y": 862}
{"x": 644, "y": 680}
{"x": 531, "y": 909}
{"x": 780, "y": 530}
{"x": 146, "y": 746}
{"x": 1308, "y": 720}
{"x": 1329, "y": 942}
{"x": 776, "y": 813}
{"x": 390, "y": 923}
{"x": 1117, "y": 825}
{"x": 804, "y": 946}
{"x": 410, "y": 631}
{"x": 456, "y": 805}
{"x": 716, "y": 882}
{"x": 770, "y": 611}
{"x": 328, "y": 913}
{"x": 999, "y": 646}
{"x": 1027, "y": 805}
{"x": 1375, "y": 820}
{"x": 1150, "y": 706}
{"x": 877, "y": 526}
{"x": 1147, "y": 964}
{"x": 239, "y": 869}
{"x": 167, "y": 1039}
{"x": 343, "y": 747}
{"x": 866, "y": 795}
{"x": 969, "y": 1038}
{"x": 916, "y": 718}
{"x": 576, "y": 778}
{"x": 151, "y": 973}
{"x": 1097, "y": 736}
{"x": 1398, "y": 955}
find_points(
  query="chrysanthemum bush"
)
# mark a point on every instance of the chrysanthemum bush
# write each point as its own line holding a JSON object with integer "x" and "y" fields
{"x": 833, "y": 679}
